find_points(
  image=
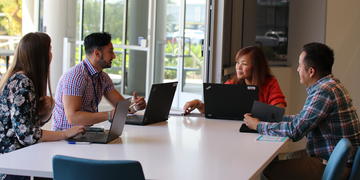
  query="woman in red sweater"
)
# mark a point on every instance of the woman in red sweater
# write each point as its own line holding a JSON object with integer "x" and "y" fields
{"x": 251, "y": 69}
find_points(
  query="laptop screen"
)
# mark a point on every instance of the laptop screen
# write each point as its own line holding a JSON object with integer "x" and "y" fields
{"x": 225, "y": 101}
{"x": 159, "y": 102}
{"x": 118, "y": 121}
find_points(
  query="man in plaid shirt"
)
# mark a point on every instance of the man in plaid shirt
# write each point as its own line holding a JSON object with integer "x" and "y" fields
{"x": 327, "y": 116}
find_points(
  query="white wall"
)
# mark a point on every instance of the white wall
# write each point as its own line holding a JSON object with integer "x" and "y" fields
{"x": 282, "y": 74}
{"x": 306, "y": 24}
{"x": 343, "y": 35}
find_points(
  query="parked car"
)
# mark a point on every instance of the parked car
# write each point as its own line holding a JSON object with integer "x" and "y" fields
{"x": 272, "y": 39}
{"x": 194, "y": 36}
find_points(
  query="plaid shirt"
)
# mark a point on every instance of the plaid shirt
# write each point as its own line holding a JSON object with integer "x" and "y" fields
{"x": 327, "y": 116}
{"x": 81, "y": 80}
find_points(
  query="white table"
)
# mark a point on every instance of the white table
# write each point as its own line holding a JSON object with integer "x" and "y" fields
{"x": 182, "y": 148}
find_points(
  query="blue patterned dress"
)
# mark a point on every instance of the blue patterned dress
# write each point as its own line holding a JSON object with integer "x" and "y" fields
{"x": 18, "y": 117}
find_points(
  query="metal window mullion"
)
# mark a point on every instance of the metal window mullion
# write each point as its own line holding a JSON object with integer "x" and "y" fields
{"x": 40, "y": 14}
{"x": 182, "y": 51}
{"x": 151, "y": 37}
{"x": 124, "y": 43}
{"x": 207, "y": 44}
{"x": 81, "y": 30}
{"x": 102, "y": 16}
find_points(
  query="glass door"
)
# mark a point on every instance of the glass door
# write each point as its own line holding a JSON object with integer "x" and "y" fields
{"x": 127, "y": 22}
{"x": 179, "y": 37}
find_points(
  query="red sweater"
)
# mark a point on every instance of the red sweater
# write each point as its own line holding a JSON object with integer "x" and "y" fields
{"x": 269, "y": 93}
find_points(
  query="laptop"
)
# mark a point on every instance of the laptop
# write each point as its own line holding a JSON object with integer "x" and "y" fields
{"x": 228, "y": 101}
{"x": 116, "y": 127}
{"x": 264, "y": 112}
{"x": 158, "y": 105}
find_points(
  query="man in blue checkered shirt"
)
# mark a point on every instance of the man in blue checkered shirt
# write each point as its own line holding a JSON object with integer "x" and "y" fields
{"x": 327, "y": 116}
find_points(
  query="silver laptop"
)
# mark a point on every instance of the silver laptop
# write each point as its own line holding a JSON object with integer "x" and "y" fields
{"x": 116, "y": 128}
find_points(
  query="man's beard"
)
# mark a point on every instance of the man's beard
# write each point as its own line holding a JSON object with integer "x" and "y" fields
{"x": 103, "y": 64}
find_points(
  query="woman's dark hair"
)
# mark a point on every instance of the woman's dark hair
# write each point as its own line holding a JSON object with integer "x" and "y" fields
{"x": 32, "y": 56}
{"x": 96, "y": 41}
{"x": 320, "y": 57}
{"x": 260, "y": 67}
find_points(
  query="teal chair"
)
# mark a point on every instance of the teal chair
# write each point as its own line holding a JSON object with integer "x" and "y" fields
{"x": 72, "y": 168}
{"x": 355, "y": 171}
{"x": 337, "y": 162}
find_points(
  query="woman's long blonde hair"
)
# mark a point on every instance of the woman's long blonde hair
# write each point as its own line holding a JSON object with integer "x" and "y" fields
{"x": 32, "y": 56}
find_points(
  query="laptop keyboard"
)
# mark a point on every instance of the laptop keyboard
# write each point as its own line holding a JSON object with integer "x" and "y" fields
{"x": 134, "y": 119}
{"x": 91, "y": 136}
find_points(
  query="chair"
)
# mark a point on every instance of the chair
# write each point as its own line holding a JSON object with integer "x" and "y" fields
{"x": 72, "y": 168}
{"x": 355, "y": 171}
{"x": 336, "y": 164}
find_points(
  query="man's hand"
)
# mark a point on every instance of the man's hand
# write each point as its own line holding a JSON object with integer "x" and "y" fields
{"x": 139, "y": 102}
{"x": 250, "y": 121}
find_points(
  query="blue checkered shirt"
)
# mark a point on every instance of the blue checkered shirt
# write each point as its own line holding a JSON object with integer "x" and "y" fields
{"x": 327, "y": 116}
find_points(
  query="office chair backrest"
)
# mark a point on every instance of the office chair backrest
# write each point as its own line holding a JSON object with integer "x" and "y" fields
{"x": 355, "y": 171}
{"x": 336, "y": 164}
{"x": 72, "y": 168}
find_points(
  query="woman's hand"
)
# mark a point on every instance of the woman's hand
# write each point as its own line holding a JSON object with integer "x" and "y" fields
{"x": 191, "y": 105}
{"x": 75, "y": 130}
{"x": 250, "y": 121}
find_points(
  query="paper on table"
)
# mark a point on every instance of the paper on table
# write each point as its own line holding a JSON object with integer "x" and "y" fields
{"x": 271, "y": 138}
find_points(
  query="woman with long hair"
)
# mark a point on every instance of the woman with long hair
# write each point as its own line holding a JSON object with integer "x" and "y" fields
{"x": 24, "y": 106}
{"x": 251, "y": 69}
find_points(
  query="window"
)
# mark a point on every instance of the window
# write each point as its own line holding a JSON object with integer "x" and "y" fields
{"x": 126, "y": 21}
{"x": 10, "y": 31}
{"x": 272, "y": 18}
{"x": 180, "y": 35}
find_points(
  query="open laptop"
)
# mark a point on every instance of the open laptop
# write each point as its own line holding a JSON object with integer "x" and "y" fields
{"x": 225, "y": 101}
{"x": 116, "y": 127}
{"x": 264, "y": 112}
{"x": 158, "y": 105}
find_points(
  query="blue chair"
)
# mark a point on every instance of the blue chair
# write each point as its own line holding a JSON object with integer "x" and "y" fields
{"x": 336, "y": 164}
{"x": 72, "y": 168}
{"x": 355, "y": 171}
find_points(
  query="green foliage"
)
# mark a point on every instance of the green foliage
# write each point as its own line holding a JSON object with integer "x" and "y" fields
{"x": 192, "y": 59}
{"x": 11, "y": 23}
{"x": 114, "y": 22}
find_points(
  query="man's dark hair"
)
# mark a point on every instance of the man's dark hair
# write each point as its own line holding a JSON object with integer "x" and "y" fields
{"x": 320, "y": 57}
{"x": 96, "y": 41}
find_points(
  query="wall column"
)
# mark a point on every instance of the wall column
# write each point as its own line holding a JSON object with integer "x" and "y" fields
{"x": 30, "y": 16}
{"x": 59, "y": 22}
